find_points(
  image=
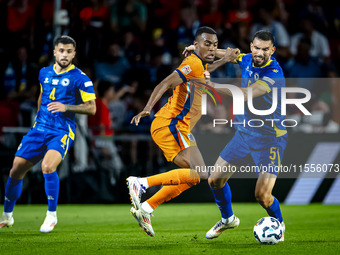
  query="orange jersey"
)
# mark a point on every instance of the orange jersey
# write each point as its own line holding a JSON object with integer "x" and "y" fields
{"x": 185, "y": 103}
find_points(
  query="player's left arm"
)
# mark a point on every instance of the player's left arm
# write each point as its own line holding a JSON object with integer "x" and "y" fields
{"x": 228, "y": 55}
{"x": 257, "y": 89}
{"x": 88, "y": 108}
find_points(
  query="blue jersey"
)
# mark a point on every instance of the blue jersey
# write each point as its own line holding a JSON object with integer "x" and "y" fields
{"x": 269, "y": 76}
{"x": 71, "y": 87}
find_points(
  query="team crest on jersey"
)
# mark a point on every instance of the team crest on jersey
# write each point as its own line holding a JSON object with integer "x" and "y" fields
{"x": 65, "y": 82}
{"x": 186, "y": 69}
{"x": 256, "y": 76}
{"x": 46, "y": 80}
{"x": 275, "y": 70}
{"x": 55, "y": 82}
{"x": 191, "y": 137}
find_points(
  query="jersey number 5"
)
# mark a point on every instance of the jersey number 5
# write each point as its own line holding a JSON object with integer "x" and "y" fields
{"x": 272, "y": 153}
{"x": 52, "y": 95}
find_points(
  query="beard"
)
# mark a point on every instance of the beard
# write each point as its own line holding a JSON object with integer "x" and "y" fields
{"x": 63, "y": 66}
{"x": 265, "y": 60}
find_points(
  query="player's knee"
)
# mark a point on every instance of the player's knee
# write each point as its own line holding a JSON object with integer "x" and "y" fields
{"x": 16, "y": 171}
{"x": 264, "y": 198}
{"x": 47, "y": 168}
{"x": 216, "y": 183}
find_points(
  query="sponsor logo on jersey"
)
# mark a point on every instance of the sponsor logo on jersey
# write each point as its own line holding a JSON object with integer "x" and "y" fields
{"x": 65, "y": 82}
{"x": 88, "y": 84}
{"x": 191, "y": 137}
{"x": 46, "y": 80}
{"x": 55, "y": 82}
{"x": 186, "y": 69}
{"x": 256, "y": 76}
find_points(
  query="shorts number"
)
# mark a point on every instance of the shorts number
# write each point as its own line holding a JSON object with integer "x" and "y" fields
{"x": 52, "y": 96}
{"x": 63, "y": 140}
{"x": 272, "y": 153}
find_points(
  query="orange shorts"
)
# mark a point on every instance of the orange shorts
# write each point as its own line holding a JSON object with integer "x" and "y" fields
{"x": 171, "y": 136}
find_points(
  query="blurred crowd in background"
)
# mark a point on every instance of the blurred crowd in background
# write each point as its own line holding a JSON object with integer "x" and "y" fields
{"x": 128, "y": 46}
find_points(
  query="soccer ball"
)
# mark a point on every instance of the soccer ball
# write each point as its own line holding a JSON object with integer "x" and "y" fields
{"x": 268, "y": 230}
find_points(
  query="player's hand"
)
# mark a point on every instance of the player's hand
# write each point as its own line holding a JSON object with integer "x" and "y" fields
{"x": 56, "y": 107}
{"x": 231, "y": 55}
{"x": 138, "y": 116}
{"x": 207, "y": 78}
{"x": 207, "y": 75}
{"x": 189, "y": 50}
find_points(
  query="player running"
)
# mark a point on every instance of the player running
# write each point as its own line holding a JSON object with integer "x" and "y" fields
{"x": 65, "y": 90}
{"x": 265, "y": 145}
{"x": 171, "y": 129}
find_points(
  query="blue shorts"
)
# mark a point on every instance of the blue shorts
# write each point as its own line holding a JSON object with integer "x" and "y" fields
{"x": 41, "y": 139}
{"x": 266, "y": 153}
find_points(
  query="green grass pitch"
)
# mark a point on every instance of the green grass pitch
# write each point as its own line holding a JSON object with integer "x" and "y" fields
{"x": 179, "y": 228}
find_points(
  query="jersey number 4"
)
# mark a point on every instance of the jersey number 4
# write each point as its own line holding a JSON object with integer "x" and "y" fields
{"x": 52, "y": 95}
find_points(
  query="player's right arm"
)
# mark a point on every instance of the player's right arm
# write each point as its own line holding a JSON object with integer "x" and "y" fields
{"x": 169, "y": 82}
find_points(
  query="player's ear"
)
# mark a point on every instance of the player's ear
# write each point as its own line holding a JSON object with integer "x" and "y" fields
{"x": 195, "y": 44}
{"x": 273, "y": 49}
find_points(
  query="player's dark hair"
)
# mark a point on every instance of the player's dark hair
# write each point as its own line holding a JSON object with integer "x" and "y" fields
{"x": 65, "y": 39}
{"x": 103, "y": 86}
{"x": 264, "y": 35}
{"x": 207, "y": 30}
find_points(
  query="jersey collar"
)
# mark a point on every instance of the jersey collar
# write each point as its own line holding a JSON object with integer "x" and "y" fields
{"x": 203, "y": 63}
{"x": 67, "y": 70}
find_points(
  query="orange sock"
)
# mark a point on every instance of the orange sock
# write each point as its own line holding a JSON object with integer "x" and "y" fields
{"x": 175, "y": 177}
{"x": 167, "y": 193}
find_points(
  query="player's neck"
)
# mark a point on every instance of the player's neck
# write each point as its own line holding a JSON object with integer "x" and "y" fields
{"x": 60, "y": 69}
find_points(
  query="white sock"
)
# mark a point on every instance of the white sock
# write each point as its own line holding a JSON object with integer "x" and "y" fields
{"x": 144, "y": 182}
{"x": 146, "y": 207}
{"x": 54, "y": 214}
{"x": 8, "y": 214}
{"x": 229, "y": 220}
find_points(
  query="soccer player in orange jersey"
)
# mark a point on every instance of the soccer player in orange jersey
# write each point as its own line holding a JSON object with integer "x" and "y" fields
{"x": 171, "y": 129}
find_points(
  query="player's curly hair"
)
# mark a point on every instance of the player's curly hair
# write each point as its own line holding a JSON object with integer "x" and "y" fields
{"x": 65, "y": 39}
{"x": 264, "y": 35}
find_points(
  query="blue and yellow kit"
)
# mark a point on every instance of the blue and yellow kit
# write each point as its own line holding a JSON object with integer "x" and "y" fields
{"x": 55, "y": 131}
{"x": 264, "y": 145}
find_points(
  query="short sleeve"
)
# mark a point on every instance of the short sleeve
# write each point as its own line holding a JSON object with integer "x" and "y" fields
{"x": 240, "y": 60}
{"x": 272, "y": 77}
{"x": 189, "y": 69}
{"x": 40, "y": 78}
{"x": 85, "y": 87}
